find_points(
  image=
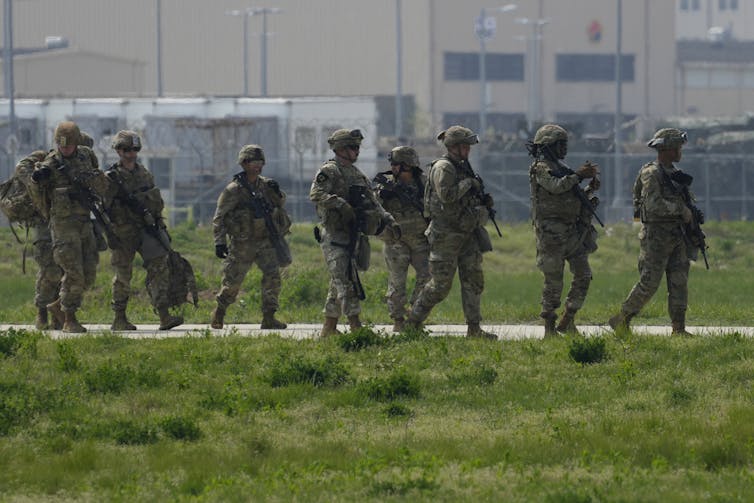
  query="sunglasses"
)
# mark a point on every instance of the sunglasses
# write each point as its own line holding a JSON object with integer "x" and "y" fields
{"x": 354, "y": 147}
{"x": 131, "y": 149}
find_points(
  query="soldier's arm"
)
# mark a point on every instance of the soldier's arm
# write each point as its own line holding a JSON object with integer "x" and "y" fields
{"x": 321, "y": 191}
{"x": 225, "y": 203}
{"x": 655, "y": 205}
{"x": 443, "y": 180}
{"x": 553, "y": 184}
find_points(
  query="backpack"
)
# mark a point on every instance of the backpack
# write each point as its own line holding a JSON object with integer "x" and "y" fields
{"x": 20, "y": 201}
{"x": 182, "y": 281}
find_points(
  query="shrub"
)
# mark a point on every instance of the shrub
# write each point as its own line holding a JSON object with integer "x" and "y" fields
{"x": 133, "y": 433}
{"x": 359, "y": 339}
{"x": 397, "y": 410}
{"x": 181, "y": 428}
{"x": 112, "y": 377}
{"x": 327, "y": 372}
{"x": 69, "y": 362}
{"x": 587, "y": 350}
{"x": 396, "y": 385}
{"x": 11, "y": 341}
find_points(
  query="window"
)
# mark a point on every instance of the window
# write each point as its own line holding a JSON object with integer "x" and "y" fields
{"x": 695, "y": 5}
{"x": 498, "y": 66}
{"x": 733, "y": 4}
{"x": 160, "y": 168}
{"x": 593, "y": 67}
{"x": 684, "y": 4}
{"x": 722, "y": 4}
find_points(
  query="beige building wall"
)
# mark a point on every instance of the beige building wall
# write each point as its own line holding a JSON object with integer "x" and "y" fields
{"x": 348, "y": 47}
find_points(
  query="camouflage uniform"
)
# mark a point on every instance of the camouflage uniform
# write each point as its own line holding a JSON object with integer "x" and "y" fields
{"x": 404, "y": 201}
{"x": 330, "y": 193}
{"x": 663, "y": 247}
{"x": 249, "y": 240}
{"x": 74, "y": 244}
{"x": 563, "y": 228}
{"x": 137, "y": 205}
{"x": 456, "y": 234}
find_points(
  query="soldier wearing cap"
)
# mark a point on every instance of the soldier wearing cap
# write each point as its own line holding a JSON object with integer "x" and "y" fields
{"x": 562, "y": 225}
{"x": 401, "y": 192}
{"x": 67, "y": 172}
{"x": 250, "y": 241}
{"x": 659, "y": 204}
{"x": 345, "y": 220}
{"x": 458, "y": 211}
{"x": 136, "y": 214}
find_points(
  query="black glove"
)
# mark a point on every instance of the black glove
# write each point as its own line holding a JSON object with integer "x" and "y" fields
{"x": 221, "y": 251}
{"x": 42, "y": 173}
{"x": 488, "y": 201}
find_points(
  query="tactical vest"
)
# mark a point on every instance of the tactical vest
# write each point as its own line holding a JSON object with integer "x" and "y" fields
{"x": 545, "y": 205}
{"x": 668, "y": 192}
{"x": 434, "y": 208}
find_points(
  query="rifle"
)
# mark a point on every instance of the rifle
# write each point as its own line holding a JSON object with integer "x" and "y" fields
{"x": 692, "y": 231}
{"x": 585, "y": 202}
{"x": 483, "y": 195}
{"x": 357, "y": 198}
{"x": 262, "y": 206}
{"x": 395, "y": 189}
{"x": 93, "y": 202}
{"x": 152, "y": 227}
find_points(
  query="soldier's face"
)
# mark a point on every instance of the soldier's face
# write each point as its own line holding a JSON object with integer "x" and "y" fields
{"x": 463, "y": 150}
{"x": 677, "y": 154}
{"x": 253, "y": 168}
{"x": 561, "y": 149}
{"x": 128, "y": 155}
{"x": 67, "y": 151}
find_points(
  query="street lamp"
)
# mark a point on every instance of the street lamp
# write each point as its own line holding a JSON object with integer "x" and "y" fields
{"x": 247, "y": 13}
{"x": 534, "y": 101}
{"x": 485, "y": 27}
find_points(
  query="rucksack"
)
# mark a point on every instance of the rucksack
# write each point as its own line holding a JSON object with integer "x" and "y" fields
{"x": 18, "y": 199}
{"x": 182, "y": 281}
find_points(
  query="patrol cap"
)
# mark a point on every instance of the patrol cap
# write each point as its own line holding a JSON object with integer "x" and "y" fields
{"x": 67, "y": 133}
{"x": 458, "y": 135}
{"x": 667, "y": 138}
{"x": 345, "y": 138}
{"x": 549, "y": 134}
{"x": 404, "y": 155}
{"x": 126, "y": 139}
{"x": 250, "y": 153}
{"x": 86, "y": 140}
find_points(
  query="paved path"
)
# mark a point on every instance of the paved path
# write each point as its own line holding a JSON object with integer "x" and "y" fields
{"x": 306, "y": 331}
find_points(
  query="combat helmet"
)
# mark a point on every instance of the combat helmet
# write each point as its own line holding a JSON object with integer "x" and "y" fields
{"x": 126, "y": 139}
{"x": 86, "y": 140}
{"x": 345, "y": 138}
{"x": 250, "y": 153}
{"x": 667, "y": 138}
{"x": 458, "y": 135}
{"x": 404, "y": 155}
{"x": 549, "y": 134}
{"x": 67, "y": 133}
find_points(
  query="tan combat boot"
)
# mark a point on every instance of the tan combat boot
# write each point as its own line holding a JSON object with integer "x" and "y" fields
{"x": 398, "y": 324}
{"x": 679, "y": 325}
{"x": 218, "y": 315}
{"x": 621, "y": 321}
{"x": 269, "y": 322}
{"x": 354, "y": 322}
{"x": 120, "y": 322}
{"x": 167, "y": 320}
{"x": 57, "y": 314}
{"x": 474, "y": 331}
{"x": 41, "y": 321}
{"x": 330, "y": 327}
{"x": 72, "y": 325}
{"x": 566, "y": 324}
{"x": 550, "y": 328}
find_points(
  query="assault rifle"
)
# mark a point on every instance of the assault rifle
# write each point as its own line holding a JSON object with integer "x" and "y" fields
{"x": 357, "y": 198}
{"x": 585, "y": 202}
{"x": 483, "y": 195}
{"x": 152, "y": 227}
{"x": 261, "y": 206}
{"x": 395, "y": 189}
{"x": 692, "y": 231}
{"x": 84, "y": 194}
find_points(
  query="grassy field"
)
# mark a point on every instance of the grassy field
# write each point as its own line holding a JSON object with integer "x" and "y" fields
{"x": 375, "y": 417}
{"x": 720, "y": 296}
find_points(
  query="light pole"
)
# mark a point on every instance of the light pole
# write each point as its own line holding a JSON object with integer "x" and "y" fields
{"x": 247, "y": 13}
{"x": 485, "y": 27}
{"x": 158, "y": 20}
{"x": 8, "y": 66}
{"x": 618, "y": 167}
{"x": 398, "y": 71}
{"x": 534, "y": 101}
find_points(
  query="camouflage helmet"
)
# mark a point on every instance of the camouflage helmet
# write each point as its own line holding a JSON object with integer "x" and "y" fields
{"x": 126, "y": 139}
{"x": 458, "y": 135}
{"x": 549, "y": 134}
{"x": 345, "y": 138}
{"x": 86, "y": 140}
{"x": 250, "y": 153}
{"x": 67, "y": 133}
{"x": 667, "y": 138}
{"x": 38, "y": 155}
{"x": 404, "y": 155}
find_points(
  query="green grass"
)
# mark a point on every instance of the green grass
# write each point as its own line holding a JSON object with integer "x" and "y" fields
{"x": 101, "y": 418}
{"x": 719, "y": 296}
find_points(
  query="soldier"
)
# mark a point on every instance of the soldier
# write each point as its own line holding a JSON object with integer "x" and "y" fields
{"x": 401, "y": 192}
{"x": 348, "y": 210}
{"x": 71, "y": 182}
{"x": 136, "y": 214}
{"x": 562, "y": 224}
{"x": 458, "y": 210}
{"x": 659, "y": 203}
{"x": 250, "y": 211}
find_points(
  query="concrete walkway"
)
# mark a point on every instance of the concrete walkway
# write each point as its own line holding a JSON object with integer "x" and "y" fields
{"x": 307, "y": 331}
